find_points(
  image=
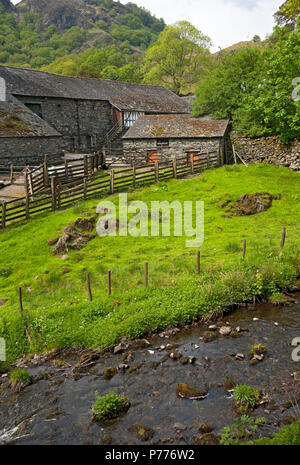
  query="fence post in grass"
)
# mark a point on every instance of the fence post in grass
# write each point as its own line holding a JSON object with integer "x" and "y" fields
{"x": 198, "y": 261}
{"x": 146, "y": 274}
{"x": 175, "y": 168}
{"x": 84, "y": 188}
{"x": 234, "y": 154}
{"x": 45, "y": 172}
{"x": 58, "y": 196}
{"x": 26, "y": 188}
{"x": 3, "y": 216}
{"x": 85, "y": 165}
{"x": 53, "y": 192}
{"x": 244, "y": 247}
{"x": 109, "y": 282}
{"x": 192, "y": 164}
{"x": 66, "y": 170}
{"x": 112, "y": 181}
{"x": 133, "y": 176}
{"x": 27, "y": 207}
{"x": 20, "y": 301}
{"x": 88, "y": 283}
{"x": 283, "y": 238}
{"x": 156, "y": 168}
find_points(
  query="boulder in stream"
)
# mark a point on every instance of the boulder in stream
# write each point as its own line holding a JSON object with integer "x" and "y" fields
{"x": 188, "y": 392}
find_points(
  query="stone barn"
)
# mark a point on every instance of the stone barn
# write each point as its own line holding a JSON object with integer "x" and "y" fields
{"x": 84, "y": 114}
{"x": 166, "y": 137}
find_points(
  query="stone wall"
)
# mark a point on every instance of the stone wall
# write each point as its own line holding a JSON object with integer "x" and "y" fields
{"x": 80, "y": 122}
{"x": 30, "y": 150}
{"x": 135, "y": 151}
{"x": 268, "y": 150}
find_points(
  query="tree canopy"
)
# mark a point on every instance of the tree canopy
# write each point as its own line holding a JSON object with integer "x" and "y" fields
{"x": 178, "y": 57}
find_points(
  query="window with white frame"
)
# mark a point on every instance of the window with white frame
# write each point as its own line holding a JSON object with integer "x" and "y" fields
{"x": 130, "y": 117}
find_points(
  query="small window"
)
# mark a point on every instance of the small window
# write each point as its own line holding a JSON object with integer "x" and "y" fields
{"x": 163, "y": 143}
{"x": 35, "y": 108}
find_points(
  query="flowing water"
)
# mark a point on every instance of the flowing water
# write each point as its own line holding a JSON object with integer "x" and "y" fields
{"x": 58, "y": 410}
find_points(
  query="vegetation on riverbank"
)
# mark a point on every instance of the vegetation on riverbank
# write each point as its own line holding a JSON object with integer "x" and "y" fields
{"x": 57, "y": 312}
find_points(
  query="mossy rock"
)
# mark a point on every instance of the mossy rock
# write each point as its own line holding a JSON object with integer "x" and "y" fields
{"x": 109, "y": 373}
{"x": 141, "y": 432}
{"x": 208, "y": 439}
{"x": 184, "y": 391}
{"x": 109, "y": 407}
{"x": 209, "y": 336}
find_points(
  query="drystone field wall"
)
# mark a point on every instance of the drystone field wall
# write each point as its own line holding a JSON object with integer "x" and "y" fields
{"x": 268, "y": 150}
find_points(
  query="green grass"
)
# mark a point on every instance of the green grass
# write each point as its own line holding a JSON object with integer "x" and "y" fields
{"x": 245, "y": 396}
{"x": 57, "y": 310}
{"x": 109, "y": 406}
{"x": 287, "y": 436}
{"x": 20, "y": 375}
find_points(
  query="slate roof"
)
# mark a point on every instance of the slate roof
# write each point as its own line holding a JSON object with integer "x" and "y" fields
{"x": 175, "y": 126}
{"x": 16, "y": 120}
{"x": 125, "y": 96}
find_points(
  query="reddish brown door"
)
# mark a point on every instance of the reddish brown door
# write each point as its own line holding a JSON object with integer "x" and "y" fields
{"x": 192, "y": 155}
{"x": 152, "y": 157}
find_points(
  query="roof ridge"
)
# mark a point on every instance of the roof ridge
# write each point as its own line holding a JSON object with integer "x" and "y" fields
{"x": 86, "y": 78}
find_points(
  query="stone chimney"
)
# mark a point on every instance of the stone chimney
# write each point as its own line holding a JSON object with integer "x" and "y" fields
{"x": 2, "y": 90}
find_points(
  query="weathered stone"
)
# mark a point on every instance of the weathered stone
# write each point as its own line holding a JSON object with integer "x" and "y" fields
{"x": 141, "y": 432}
{"x": 109, "y": 373}
{"x": 209, "y": 336}
{"x": 225, "y": 330}
{"x": 205, "y": 429}
{"x": 53, "y": 241}
{"x": 209, "y": 439}
{"x": 229, "y": 384}
{"x": 188, "y": 392}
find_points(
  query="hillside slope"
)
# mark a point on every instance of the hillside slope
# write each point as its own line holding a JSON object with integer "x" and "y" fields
{"x": 55, "y": 297}
{"x": 36, "y": 32}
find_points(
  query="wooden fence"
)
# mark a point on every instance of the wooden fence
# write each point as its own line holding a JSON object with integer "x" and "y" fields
{"x": 63, "y": 195}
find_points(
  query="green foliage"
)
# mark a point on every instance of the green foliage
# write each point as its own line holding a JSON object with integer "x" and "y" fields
{"x": 258, "y": 349}
{"x": 287, "y": 436}
{"x": 20, "y": 376}
{"x": 109, "y": 406}
{"x": 242, "y": 429}
{"x": 254, "y": 87}
{"x": 177, "y": 58}
{"x": 27, "y": 43}
{"x": 245, "y": 396}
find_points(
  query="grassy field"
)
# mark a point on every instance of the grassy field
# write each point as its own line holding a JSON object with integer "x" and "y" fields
{"x": 57, "y": 310}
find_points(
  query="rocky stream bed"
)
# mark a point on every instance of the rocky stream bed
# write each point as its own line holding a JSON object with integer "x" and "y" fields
{"x": 56, "y": 407}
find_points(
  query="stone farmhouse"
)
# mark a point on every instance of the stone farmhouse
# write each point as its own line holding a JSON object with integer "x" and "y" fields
{"x": 164, "y": 137}
{"x": 46, "y": 114}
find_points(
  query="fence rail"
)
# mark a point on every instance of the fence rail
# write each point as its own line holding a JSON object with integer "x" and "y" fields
{"x": 63, "y": 194}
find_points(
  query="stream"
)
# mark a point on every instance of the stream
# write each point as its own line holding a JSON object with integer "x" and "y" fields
{"x": 56, "y": 408}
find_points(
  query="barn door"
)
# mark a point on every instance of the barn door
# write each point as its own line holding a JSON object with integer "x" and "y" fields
{"x": 152, "y": 157}
{"x": 192, "y": 156}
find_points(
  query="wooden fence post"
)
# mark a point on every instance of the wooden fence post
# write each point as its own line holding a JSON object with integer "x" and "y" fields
{"x": 85, "y": 165}
{"x": 283, "y": 238}
{"x": 53, "y": 192}
{"x": 234, "y": 154}
{"x": 244, "y": 247}
{"x": 88, "y": 283}
{"x": 192, "y": 164}
{"x": 109, "y": 282}
{"x": 146, "y": 274}
{"x": 58, "y": 196}
{"x": 156, "y": 168}
{"x": 45, "y": 172}
{"x": 84, "y": 188}
{"x": 133, "y": 176}
{"x": 3, "y": 215}
{"x": 27, "y": 200}
{"x": 20, "y": 300}
{"x": 175, "y": 168}
{"x": 112, "y": 181}
{"x": 198, "y": 261}
{"x": 66, "y": 170}
{"x": 207, "y": 160}
{"x": 26, "y": 187}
